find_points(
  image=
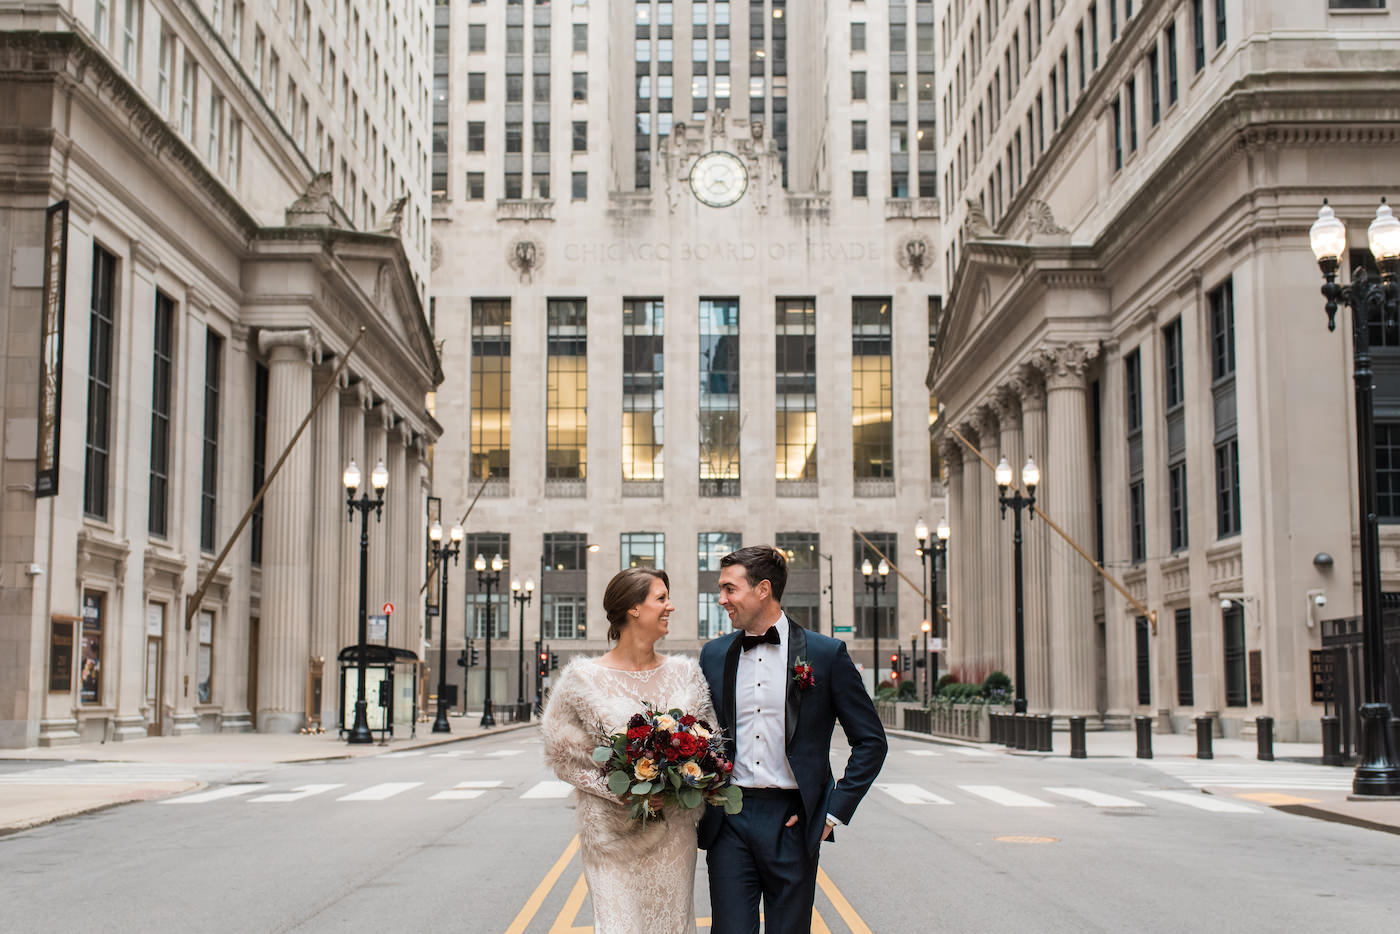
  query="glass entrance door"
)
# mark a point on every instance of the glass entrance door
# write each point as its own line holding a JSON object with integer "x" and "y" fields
{"x": 154, "y": 672}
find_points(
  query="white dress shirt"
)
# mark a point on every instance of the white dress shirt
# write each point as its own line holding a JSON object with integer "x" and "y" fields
{"x": 760, "y": 715}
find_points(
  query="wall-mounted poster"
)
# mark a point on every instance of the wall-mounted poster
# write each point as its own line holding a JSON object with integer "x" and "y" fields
{"x": 90, "y": 674}
{"x": 61, "y": 655}
{"x": 51, "y": 349}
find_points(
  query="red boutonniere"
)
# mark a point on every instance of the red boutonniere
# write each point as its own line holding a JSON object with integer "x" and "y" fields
{"x": 802, "y": 675}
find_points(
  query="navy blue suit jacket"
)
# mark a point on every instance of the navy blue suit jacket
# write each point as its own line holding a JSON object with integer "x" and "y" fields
{"x": 838, "y": 694}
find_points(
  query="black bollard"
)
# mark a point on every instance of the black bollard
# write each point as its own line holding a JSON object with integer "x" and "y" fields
{"x": 1205, "y": 735}
{"x": 999, "y": 728}
{"x": 1076, "y": 738}
{"x": 1023, "y": 731}
{"x": 1265, "y": 736}
{"x": 1331, "y": 741}
{"x": 1144, "y": 737}
{"x": 1044, "y": 739}
{"x": 1013, "y": 731}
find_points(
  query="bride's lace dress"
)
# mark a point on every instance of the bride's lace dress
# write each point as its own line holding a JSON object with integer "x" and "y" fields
{"x": 642, "y": 879}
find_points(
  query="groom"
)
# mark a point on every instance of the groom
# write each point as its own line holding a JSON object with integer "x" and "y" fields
{"x": 779, "y": 691}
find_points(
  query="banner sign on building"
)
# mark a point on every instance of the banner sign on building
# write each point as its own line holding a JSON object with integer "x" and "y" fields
{"x": 51, "y": 349}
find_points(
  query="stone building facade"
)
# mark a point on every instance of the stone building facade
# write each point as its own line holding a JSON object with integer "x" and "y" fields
{"x": 677, "y": 321}
{"x": 1129, "y": 188}
{"x": 180, "y": 283}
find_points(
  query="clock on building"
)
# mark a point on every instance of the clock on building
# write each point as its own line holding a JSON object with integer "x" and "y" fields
{"x": 719, "y": 178}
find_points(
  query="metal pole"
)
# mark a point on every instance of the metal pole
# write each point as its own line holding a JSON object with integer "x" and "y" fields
{"x": 359, "y": 733}
{"x": 875, "y": 589}
{"x": 440, "y": 724}
{"x": 492, "y": 581}
{"x": 830, "y": 591}
{"x": 1020, "y": 706}
{"x": 520, "y": 673}
{"x": 933, "y": 610}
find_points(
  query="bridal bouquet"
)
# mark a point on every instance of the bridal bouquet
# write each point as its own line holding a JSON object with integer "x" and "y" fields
{"x": 667, "y": 759}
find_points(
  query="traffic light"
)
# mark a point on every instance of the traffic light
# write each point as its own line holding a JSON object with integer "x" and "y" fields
{"x": 462, "y": 659}
{"x": 553, "y": 662}
{"x": 544, "y": 664}
{"x": 475, "y": 655}
{"x": 906, "y": 660}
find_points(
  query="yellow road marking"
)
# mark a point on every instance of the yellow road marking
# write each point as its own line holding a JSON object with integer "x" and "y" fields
{"x": 536, "y": 899}
{"x": 1274, "y": 799}
{"x": 564, "y": 924}
{"x": 843, "y": 907}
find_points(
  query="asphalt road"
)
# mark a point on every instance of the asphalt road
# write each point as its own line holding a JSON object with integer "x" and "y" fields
{"x": 472, "y": 837}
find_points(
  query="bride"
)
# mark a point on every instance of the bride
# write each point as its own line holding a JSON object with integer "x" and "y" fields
{"x": 642, "y": 877}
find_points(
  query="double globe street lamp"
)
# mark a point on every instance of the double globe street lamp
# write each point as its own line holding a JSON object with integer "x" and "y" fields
{"x": 488, "y": 581}
{"x": 441, "y": 553}
{"x": 1030, "y": 478}
{"x": 522, "y": 596}
{"x": 875, "y": 579}
{"x": 1377, "y": 771}
{"x": 929, "y": 553}
{"x": 378, "y": 479}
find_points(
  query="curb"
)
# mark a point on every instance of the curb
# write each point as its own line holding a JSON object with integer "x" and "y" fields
{"x": 415, "y": 744}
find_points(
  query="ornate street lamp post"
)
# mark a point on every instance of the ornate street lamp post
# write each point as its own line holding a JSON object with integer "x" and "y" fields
{"x": 488, "y": 582}
{"x": 1030, "y": 476}
{"x": 1377, "y": 772}
{"x": 875, "y": 582}
{"x": 929, "y": 551}
{"x": 522, "y": 596}
{"x": 440, "y": 555}
{"x": 379, "y": 479}
{"x": 940, "y": 551}
{"x": 921, "y": 536}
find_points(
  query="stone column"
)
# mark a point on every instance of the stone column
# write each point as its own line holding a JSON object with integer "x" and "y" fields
{"x": 1037, "y": 537}
{"x": 327, "y": 542}
{"x": 990, "y": 546}
{"x": 1008, "y": 406}
{"x": 354, "y": 411}
{"x": 954, "y": 563}
{"x": 395, "y": 537}
{"x": 1068, "y": 477}
{"x": 969, "y": 543}
{"x": 381, "y": 418}
{"x": 286, "y": 602}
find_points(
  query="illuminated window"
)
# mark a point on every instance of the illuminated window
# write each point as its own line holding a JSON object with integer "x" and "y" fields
{"x": 644, "y": 550}
{"x": 643, "y": 375}
{"x": 490, "y": 423}
{"x": 566, "y": 418}
{"x": 719, "y": 397}
{"x": 872, "y": 417}
{"x": 488, "y": 545}
{"x": 796, "y": 438}
{"x": 711, "y": 620}
{"x": 887, "y": 543}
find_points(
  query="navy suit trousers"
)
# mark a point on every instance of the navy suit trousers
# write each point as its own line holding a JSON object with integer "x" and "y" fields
{"x": 755, "y": 857}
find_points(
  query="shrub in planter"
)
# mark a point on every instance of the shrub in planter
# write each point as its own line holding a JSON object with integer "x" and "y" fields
{"x": 997, "y": 681}
{"x": 943, "y": 681}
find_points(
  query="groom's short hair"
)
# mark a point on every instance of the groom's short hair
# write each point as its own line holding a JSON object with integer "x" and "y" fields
{"x": 761, "y": 563}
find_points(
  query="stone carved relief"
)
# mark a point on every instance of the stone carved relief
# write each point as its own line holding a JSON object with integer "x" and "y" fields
{"x": 975, "y": 225}
{"x": 435, "y": 254}
{"x": 746, "y": 139}
{"x": 914, "y": 252}
{"x": 315, "y": 206}
{"x": 526, "y": 257}
{"x": 1041, "y": 219}
{"x": 393, "y": 216}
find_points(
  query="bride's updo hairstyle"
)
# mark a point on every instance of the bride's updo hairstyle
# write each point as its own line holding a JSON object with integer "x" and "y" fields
{"x": 627, "y": 589}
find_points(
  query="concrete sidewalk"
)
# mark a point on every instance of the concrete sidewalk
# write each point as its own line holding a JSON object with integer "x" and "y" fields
{"x": 26, "y": 802}
{"x": 1230, "y": 756}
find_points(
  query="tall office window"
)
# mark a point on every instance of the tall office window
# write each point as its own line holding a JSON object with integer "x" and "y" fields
{"x": 1144, "y": 660}
{"x": 1170, "y": 35}
{"x": 97, "y": 448}
{"x": 888, "y": 543}
{"x": 796, "y": 438}
{"x": 442, "y": 59}
{"x": 711, "y": 620}
{"x": 565, "y": 586}
{"x": 209, "y": 487}
{"x": 1175, "y": 399}
{"x": 1219, "y": 23}
{"x": 255, "y": 527}
{"x": 490, "y": 453}
{"x": 1185, "y": 689}
{"x": 1236, "y": 683}
{"x": 1154, "y": 77}
{"x": 1137, "y": 500}
{"x": 805, "y": 596}
{"x": 566, "y": 419}
{"x": 487, "y": 544}
{"x": 872, "y": 409}
{"x": 719, "y": 397}
{"x": 1227, "y": 449}
{"x": 644, "y": 550}
{"x": 161, "y": 385}
{"x": 643, "y": 376}
{"x": 1198, "y": 32}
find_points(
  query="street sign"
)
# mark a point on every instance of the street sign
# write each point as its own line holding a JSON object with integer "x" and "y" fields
{"x": 387, "y": 609}
{"x": 935, "y": 644}
{"x": 838, "y": 630}
{"x": 378, "y": 628}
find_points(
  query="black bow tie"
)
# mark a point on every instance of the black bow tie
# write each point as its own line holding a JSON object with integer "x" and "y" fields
{"x": 771, "y": 637}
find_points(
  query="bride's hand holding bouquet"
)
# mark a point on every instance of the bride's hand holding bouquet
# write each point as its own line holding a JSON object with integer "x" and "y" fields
{"x": 667, "y": 759}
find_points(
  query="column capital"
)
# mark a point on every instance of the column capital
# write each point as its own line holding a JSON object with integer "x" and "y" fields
{"x": 1006, "y": 400}
{"x": 987, "y": 422}
{"x": 1029, "y": 382}
{"x": 1064, "y": 366}
{"x": 356, "y": 395}
{"x": 951, "y": 452}
{"x": 381, "y": 415}
{"x": 293, "y": 346}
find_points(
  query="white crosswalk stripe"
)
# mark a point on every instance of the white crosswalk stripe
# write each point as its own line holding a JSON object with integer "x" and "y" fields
{"x": 1204, "y": 802}
{"x": 406, "y": 754}
{"x": 213, "y": 794}
{"x": 296, "y": 794}
{"x": 974, "y": 753}
{"x": 449, "y": 755}
{"x": 922, "y": 752}
{"x": 380, "y": 792}
{"x": 1096, "y": 798}
{"x": 550, "y": 790}
{"x": 911, "y": 794}
{"x": 1289, "y": 775}
{"x": 1005, "y": 796}
{"x": 464, "y": 791}
{"x": 503, "y": 753}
